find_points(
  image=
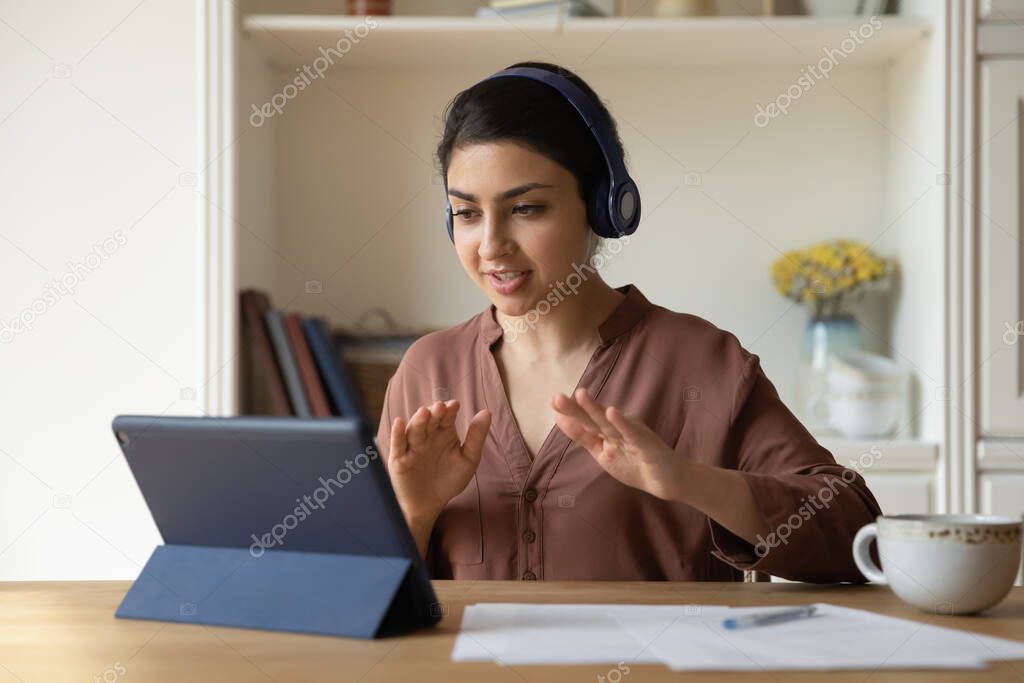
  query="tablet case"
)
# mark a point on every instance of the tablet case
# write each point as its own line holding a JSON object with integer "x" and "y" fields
{"x": 321, "y": 593}
{"x": 350, "y": 568}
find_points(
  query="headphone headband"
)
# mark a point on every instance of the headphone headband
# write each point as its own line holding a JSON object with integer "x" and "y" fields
{"x": 615, "y": 208}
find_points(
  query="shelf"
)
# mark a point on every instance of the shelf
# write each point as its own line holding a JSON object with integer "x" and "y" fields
{"x": 296, "y": 40}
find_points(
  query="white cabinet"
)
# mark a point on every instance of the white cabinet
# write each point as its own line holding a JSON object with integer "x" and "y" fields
{"x": 903, "y": 493}
{"x": 1001, "y": 491}
{"x": 1000, "y": 10}
{"x": 1001, "y": 478}
{"x": 999, "y": 228}
{"x": 902, "y": 475}
{"x": 1001, "y": 257}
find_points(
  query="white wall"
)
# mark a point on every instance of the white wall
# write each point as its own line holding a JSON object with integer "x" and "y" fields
{"x": 372, "y": 231}
{"x": 97, "y": 142}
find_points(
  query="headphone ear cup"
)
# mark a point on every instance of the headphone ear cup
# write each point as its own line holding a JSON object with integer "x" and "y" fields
{"x": 597, "y": 210}
{"x": 626, "y": 208}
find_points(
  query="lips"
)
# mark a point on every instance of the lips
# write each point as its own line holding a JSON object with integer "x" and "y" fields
{"x": 506, "y": 282}
{"x": 507, "y": 275}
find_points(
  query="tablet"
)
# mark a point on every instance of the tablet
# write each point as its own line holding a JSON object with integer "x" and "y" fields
{"x": 271, "y": 483}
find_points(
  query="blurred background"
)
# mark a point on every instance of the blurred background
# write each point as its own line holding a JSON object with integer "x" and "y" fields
{"x": 218, "y": 207}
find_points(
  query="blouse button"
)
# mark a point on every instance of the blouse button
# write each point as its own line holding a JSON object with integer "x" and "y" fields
{"x": 530, "y": 495}
{"x": 529, "y": 576}
{"x": 529, "y": 536}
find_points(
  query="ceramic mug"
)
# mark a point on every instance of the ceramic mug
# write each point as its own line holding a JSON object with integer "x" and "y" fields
{"x": 864, "y": 396}
{"x": 946, "y": 564}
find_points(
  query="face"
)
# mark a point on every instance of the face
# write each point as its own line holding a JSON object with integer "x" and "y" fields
{"x": 519, "y": 213}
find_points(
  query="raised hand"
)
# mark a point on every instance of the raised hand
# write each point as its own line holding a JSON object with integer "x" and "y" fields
{"x": 427, "y": 463}
{"x": 621, "y": 444}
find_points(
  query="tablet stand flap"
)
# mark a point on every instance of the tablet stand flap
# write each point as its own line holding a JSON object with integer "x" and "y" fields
{"x": 280, "y": 590}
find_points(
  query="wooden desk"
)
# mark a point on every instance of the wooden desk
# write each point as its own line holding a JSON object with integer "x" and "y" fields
{"x": 52, "y": 632}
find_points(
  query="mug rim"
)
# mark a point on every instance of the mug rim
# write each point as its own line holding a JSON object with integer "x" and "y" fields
{"x": 961, "y": 520}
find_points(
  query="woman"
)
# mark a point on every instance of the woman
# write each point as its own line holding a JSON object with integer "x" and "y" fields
{"x": 575, "y": 430}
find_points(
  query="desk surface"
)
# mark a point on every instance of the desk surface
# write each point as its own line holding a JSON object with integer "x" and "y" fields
{"x": 67, "y": 632}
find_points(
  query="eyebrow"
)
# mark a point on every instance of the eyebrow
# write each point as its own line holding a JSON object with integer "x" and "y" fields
{"x": 507, "y": 194}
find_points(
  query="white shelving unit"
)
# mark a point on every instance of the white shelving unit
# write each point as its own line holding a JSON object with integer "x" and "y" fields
{"x": 333, "y": 204}
{"x": 602, "y": 42}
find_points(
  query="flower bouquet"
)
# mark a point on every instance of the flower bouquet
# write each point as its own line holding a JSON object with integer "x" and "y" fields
{"x": 829, "y": 276}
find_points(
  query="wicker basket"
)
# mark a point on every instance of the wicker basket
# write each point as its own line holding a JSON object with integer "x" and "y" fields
{"x": 373, "y": 357}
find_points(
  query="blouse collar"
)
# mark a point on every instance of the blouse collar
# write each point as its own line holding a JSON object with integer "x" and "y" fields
{"x": 625, "y": 316}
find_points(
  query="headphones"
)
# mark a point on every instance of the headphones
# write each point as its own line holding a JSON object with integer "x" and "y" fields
{"x": 614, "y": 210}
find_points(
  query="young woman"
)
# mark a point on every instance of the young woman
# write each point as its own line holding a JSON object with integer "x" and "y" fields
{"x": 579, "y": 431}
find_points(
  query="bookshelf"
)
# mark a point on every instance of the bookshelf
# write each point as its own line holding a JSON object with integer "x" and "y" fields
{"x": 601, "y": 42}
{"x": 334, "y": 206}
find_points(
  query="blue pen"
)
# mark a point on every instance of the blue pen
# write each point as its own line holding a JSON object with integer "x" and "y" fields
{"x": 764, "y": 618}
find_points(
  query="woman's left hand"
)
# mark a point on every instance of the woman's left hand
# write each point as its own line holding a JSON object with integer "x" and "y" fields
{"x": 622, "y": 444}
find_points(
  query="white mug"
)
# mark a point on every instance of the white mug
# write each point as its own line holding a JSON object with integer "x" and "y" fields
{"x": 946, "y": 564}
{"x": 864, "y": 394}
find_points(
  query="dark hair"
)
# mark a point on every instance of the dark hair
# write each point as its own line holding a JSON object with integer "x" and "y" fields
{"x": 534, "y": 115}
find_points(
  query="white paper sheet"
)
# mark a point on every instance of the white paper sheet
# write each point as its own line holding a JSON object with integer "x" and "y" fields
{"x": 834, "y": 638}
{"x": 516, "y": 633}
{"x": 691, "y": 638}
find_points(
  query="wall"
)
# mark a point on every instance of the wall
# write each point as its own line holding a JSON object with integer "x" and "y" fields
{"x": 98, "y": 141}
{"x": 359, "y": 207}
{"x": 98, "y": 135}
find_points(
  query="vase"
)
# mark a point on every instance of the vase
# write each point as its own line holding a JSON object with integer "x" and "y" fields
{"x": 823, "y": 336}
{"x": 828, "y": 334}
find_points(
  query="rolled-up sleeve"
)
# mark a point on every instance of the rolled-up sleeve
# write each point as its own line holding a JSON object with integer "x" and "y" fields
{"x": 812, "y": 506}
{"x": 393, "y": 393}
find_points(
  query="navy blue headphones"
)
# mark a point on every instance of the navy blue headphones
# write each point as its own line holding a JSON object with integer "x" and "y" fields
{"x": 615, "y": 206}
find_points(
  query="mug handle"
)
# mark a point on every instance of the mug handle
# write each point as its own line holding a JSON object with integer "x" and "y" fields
{"x": 862, "y": 556}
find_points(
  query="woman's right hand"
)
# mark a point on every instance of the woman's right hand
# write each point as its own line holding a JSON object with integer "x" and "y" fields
{"x": 427, "y": 463}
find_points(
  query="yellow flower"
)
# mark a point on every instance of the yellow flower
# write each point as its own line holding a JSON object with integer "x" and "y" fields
{"x": 827, "y": 270}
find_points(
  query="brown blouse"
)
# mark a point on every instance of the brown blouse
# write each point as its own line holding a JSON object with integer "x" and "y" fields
{"x": 560, "y": 516}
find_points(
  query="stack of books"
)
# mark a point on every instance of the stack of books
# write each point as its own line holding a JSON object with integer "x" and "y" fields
{"x": 291, "y": 365}
{"x": 539, "y": 9}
